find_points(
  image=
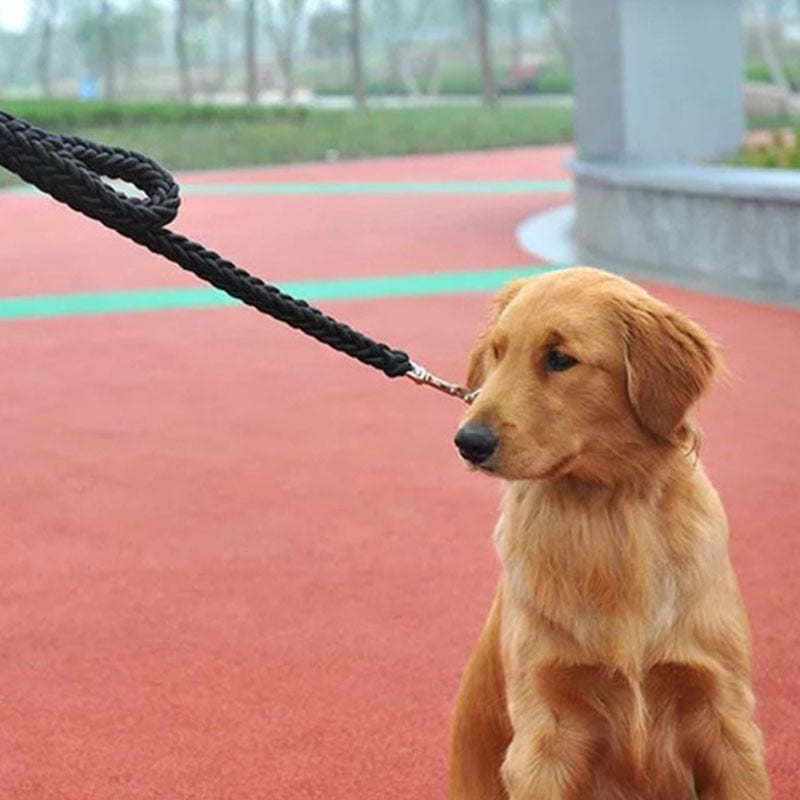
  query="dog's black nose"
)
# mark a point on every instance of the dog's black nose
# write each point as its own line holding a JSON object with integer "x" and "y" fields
{"x": 475, "y": 442}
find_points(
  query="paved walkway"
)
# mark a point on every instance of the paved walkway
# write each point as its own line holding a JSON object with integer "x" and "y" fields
{"x": 238, "y": 565}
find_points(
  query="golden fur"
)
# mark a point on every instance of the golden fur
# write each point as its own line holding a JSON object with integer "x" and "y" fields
{"x": 615, "y": 662}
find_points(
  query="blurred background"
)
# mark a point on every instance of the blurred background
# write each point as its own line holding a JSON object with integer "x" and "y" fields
{"x": 322, "y": 51}
{"x": 436, "y": 74}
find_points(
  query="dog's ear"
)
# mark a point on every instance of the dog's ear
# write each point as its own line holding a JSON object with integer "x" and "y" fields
{"x": 670, "y": 363}
{"x": 476, "y": 372}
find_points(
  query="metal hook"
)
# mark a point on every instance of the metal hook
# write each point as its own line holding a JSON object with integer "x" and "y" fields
{"x": 422, "y": 377}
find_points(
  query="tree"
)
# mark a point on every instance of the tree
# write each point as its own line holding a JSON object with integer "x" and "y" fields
{"x": 192, "y": 31}
{"x": 514, "y": 19}
{"x": 412, "y": 32}
{"x": 250, "y": 51}
{"x": 47, "y": 11}
{"x": 328, "y": 32}
{"x": 136, "y": 30}
{"x": 184, "y": 72}
{"x": 14, "y": 47}
{"x": 94, "y": 33}
{"x": 485, "y": 52}
{"x": 223, "y": 44}
{"x": 552, "y": 11}
{"x": 391, "y": 12}
{"x": 109, "y": 65}
{"x": 765, "y": 19}
{"x": 356, "y": 62}
{"x": 284, "y": 21}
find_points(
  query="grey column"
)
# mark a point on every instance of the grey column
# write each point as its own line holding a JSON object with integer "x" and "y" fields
{"x": 657, "y": 80}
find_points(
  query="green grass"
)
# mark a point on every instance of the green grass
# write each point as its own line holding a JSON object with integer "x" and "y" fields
{"x": 68, "y": 114}
{"x": 184, "y": 137}
{"x": 222, "y": 139}
{"x": 551, "y": 79}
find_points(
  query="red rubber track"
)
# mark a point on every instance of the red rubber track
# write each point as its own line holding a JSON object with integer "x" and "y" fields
{"x": 238, "y": 565}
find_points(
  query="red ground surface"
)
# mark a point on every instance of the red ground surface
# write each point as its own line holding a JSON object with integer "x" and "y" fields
{"x": 237, "y": 565}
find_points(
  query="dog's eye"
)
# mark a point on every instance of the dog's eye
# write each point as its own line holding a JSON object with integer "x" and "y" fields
{"x": 556, "y": 361}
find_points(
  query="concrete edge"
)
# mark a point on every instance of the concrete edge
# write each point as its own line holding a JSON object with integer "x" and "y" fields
{"x": 548, "y": 237}
{"x": 709, "y": 180}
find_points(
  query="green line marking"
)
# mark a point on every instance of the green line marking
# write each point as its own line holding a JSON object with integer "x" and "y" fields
{"x": 425, "y": 285}
{"x": 368, "y": 188}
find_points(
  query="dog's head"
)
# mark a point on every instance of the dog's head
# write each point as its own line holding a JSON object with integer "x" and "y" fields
{"x": 581, "y": 373}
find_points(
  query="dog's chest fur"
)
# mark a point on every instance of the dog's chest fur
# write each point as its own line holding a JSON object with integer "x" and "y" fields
{"x": 597, "y": 572}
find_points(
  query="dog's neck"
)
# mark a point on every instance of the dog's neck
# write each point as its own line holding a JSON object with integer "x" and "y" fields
{"x": 598, "y": 562}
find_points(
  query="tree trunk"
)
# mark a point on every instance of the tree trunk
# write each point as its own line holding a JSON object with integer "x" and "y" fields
{"x": 180, "y": 51}
{"x": 107, "y": 52}
{"x": 250, "y": 55}
{"x": 356, "y": 61}
{"x": 44, "y": 61}
{"x": 287, "y": 68}
{"x": 557, "y": 32}
{"x": 768, "y": 51}
{"x": 515, "y": 31}
{"x": 393, "y": 60}
{"x": 392, "y": 22}
{"x": 485, "y": 52}
{"x": 223, "y": 51}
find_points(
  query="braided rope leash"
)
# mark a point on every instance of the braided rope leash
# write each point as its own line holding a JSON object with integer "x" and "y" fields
{"x": 72, "y": 170}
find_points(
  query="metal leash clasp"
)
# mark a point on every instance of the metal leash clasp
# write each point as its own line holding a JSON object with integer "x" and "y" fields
{"x": 422, "y": 377}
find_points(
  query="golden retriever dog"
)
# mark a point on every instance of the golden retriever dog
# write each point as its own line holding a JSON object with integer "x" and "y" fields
{"x": 615, "y": 662}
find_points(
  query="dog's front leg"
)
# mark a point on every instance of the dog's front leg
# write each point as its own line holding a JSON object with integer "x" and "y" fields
{"x": 729, "y": 755}
{"x": 548, "y": 760}
{"x": 481, "y": 730}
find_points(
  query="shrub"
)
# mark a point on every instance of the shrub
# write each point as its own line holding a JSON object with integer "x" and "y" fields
{"x": 63, "y": 114}
{"x": 782, "y": 152}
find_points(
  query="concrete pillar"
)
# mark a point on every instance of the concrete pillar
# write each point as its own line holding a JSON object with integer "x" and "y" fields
{"x": 657, "y": 80}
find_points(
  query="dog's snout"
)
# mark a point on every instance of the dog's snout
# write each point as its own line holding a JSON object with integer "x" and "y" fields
{"x": 476, "y": 442}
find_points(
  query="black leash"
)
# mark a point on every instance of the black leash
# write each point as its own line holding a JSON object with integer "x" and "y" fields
{"x": 71, "y": 170}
